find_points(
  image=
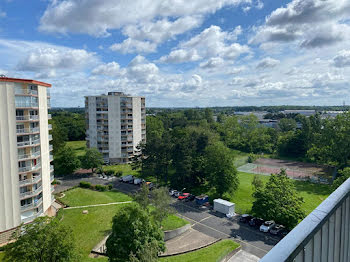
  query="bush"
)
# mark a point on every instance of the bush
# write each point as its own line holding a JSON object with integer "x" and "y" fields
{"x": 55, "y": 182}
{"x": 119, "y": 173}
{"x": 251, "y": 158}
{"x": 101, "y": 188}
{"x": 99, "y": 170}
{"x": 85, "y": 184}
{"x": 110, "y": 186}
{"x": 109, "y": 172}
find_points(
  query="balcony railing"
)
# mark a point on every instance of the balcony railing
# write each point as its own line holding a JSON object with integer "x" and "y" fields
{"x": 29, "y": 156}
{"x": 27, "y": 118}
{"x": 28, "y": 130}
{"x": 29, "y": 168}
{"x": 28, "y": 143}
{"x": 49, "y": 116}
{"x": 30, "y": 181}
{"x": 324, "y": 235}
{"x": 32, "y": 205}
{"x": 51, "y": 157}
{"x": 52, "y": 178}
{"x": 30, "y": 193}
{"x": 27, "y": 104}
{"x": 50, "y": 137}
{"x": 49, "y": 126}
{"x": 51, "y": 168}
{"x": 20, "y": 91}
{"x": 50, "y": 147}
{"x": 31, "y": 218}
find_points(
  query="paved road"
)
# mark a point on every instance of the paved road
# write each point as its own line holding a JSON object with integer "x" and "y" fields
{"x": 252, "y": 240}
{"x": 243, "y": 256}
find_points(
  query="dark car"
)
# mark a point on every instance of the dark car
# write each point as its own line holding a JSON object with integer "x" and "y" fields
{"x": 190, "y": 198}
{"x": 283, "y": 232}
{"x": 276, "y": 229}
{"x": 256, "y": 222}
{"x": 245, "y": 218}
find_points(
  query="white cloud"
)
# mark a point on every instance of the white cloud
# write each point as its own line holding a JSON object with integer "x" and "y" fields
{"x": 268, "y": 62}
{"x": 2, "y": 14}
{"x": 134, "y": 46}
{"x": 212, "y": 63}
{"x": 110, "y": 69}
{"x": 211, "y": 42}
{"x": 342, "y": 59}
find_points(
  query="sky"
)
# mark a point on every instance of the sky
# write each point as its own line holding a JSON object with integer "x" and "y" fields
{"x": 181, "y": 53}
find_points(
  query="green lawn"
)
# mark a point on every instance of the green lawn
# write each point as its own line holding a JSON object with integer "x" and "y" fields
{"x": 1, "y": 256}
{"x": 313, "y": 194}
{"x": 173, "y": 222}
{"x": 125, "y": 168}
{"x": 212, "y": 253}
{"x": 81, "y": 197}
{"x": 78, "y": 147}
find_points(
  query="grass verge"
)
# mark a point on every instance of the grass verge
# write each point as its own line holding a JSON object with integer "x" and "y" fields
{"x": 82, "y": 197}
{"x": 172, "y": 222}
{"x": 212, "y": 253}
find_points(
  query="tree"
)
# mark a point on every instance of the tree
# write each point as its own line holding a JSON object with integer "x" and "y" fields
{"x": 46, "y": 239}
{"x": 343, "y": 176}
{"x": 257, "y": 183}
{"x": 287, "y": 124}
{"x": 66, "y": 162}
{"x": 142, "y": 197}
{"x": 220, "y": 170}
{"x": 161, "y": 201}
{"x": 133, "y": 229}
{"x": 278, "y": 201}
{"x": 59, "y": 137}
{"x": 92, "y": 159}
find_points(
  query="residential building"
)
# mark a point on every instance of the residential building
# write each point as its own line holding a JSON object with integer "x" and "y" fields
{"x": 116, "y": 124}
{"x": 25, "y": 153}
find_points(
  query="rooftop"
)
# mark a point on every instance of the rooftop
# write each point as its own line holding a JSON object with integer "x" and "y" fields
{"x": 26, "y": 81}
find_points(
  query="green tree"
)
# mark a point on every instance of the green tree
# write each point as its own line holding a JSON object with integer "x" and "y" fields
{"x": 161, "y": 200}
{"x": 45, "y": 239}
{"x": 59, "y": 136}
{"x": 257, "y": 183}
{"x": 278, "y": 201}
{"x": 343, "y": 176}
{"x": 287, "y": 124}
{"x": 92, "y": 159}
{"x": 220, "y": 170}
{"x": 66, "y": 162}
{"x": 133, "y": 229}
{"x": 142, "y": 197}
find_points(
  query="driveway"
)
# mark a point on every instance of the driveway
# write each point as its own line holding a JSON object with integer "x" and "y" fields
{"x": 218, "y": 226}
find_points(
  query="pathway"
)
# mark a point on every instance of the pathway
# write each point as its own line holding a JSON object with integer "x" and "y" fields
{"x": 97, "y": 205}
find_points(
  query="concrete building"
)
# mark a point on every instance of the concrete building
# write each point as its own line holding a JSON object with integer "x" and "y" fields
{"x": 25, "y": 170}
{"x": 116, "y": 124}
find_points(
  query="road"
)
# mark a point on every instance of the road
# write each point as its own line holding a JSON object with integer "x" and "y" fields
{"x": 215, "y": 225}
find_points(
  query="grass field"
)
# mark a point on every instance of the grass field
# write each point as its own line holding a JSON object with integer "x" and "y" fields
{"x": 172, "y": 222}
{"x": 1, "y": 256}
{"x": 78, "y": 147}
{"x": 125, "y": 168}
{"x": 81, "y": 197}
{"x": 209, "y": 254}
{"x": 313, "y": 194}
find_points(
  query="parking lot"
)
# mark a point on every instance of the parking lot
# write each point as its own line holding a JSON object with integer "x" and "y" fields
{"x": 205, "y": 220}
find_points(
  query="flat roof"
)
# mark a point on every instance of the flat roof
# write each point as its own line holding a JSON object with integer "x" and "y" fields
{"x": 19, "y": 80}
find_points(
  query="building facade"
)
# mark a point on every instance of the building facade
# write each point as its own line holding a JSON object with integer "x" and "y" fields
{"x": 116, "y": 124}
{"x": 25, "y": 153}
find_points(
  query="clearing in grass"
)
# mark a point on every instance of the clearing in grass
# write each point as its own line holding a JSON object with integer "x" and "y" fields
{"x": 212, "y": 253}
{"x": 83, "y": 197}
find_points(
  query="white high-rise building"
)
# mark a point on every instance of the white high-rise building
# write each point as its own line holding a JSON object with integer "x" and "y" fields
{"x": 25, "y": 171}
{"x": 116, "y": 124}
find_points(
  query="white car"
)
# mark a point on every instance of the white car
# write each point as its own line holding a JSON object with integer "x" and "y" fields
{"x": 267, "y": 226}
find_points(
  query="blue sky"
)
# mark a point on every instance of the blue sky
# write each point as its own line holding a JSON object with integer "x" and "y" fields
{"x": 182, "y": 53}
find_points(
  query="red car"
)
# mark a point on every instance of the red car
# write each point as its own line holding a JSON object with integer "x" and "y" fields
{"x": 183, "y": 196}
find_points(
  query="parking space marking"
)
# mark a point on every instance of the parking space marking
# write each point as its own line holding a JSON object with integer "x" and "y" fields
{"x": 227, "y": 235}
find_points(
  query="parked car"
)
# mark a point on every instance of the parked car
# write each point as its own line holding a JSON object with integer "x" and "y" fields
{"x": 190, "y": 198}
{"x": 138, "y": 181}
{"x": 283, "y": 232}
{"x": 183, "y": 196}
{"x": 177, "y": 194}
{"x": 127, "y": 178}
{"x": 256, "y": 222}
{"x": 267, "y": 226}
{"x": 276, "y": 229}
{"x": 172, "y": 192}
{"x": 245, "y": 218}
{"x": 202, "y": 199}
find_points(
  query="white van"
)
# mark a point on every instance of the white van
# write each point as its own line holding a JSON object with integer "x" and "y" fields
{"x": 127, "y": 178}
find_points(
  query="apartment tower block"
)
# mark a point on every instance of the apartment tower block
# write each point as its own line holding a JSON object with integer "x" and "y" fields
{"x": 116, "y": 124}
{"x": 25, "y": 153}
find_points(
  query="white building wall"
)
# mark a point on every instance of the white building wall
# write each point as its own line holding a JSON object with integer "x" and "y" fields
{"x": 136, "y": 121}
{"x": 44, "y": 147}
{"x": 9, "y": 182}
{"x": 92, "y": 121}
{"x": 114, "y": 131}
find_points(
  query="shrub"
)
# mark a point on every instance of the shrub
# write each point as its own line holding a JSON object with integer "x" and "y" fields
{"x": 119, "y": 173}
{"x": 251, "y": 158}
{"x": 55, "y": 182}
{"x": 109, "y": 172}
{"x": 99, "y": 170}
{"x": 85, "y": 184}
{"x": 110, "y": 186}
{"x": 100, "y": 187}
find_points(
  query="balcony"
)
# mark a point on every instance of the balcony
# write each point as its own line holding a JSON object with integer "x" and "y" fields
{"x": 32, "y": 205}
{"x": 51, "y": 168}
{"x": 28, "y": 143}
{"x": 25, "y": 92}
{"x": 50, "y": 147}
{"x": 49, "y": 126}
{"x": 324, "y": 235}
{"x": 51, "y": 158}
{"x": 29, "y": 156}
{"x": 31, "y": 218}
{"x": 30, "y": 181}
{"x": 50, "y": 137}
{"x": 27, "y": 131}
{"x": 30, "y": 193}
{"x": 52, "y": 178}
{"x": 49, "y": 116}
{"x": 27, "y": 104}
{"x": 29, "y": 168}
{"x": 27, "y": 118}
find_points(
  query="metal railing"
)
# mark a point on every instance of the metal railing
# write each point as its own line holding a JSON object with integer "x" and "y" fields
{"x": 27, "y": 118}
{"x": 49, "y": 126}
{"x": 51, "y": 157}
{"x": 27, "y": 130}
{"x": 49, "y": 116}
{"x": 28, "y": 143}
{"x": 31, "y": 218}
{"x": 27, "y": 104}
{"x": 324, "y": 235}
{"x": 30, "y": 193}
{"x": 32, "y": 205}
{"x": 52, "y": 178}
{"x": 30, "y": 181}
{"x": 51, "y": 168}
{"x": 50, "y": 147}
{"x": 21, "y": 91}
{"x": 29, "y": 168}
{"x": 29, "y": 156}
{"x": 50, "y": 137}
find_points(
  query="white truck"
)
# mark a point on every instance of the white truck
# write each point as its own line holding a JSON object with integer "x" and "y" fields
{"x": 224, "y": 207}
{"x": 138, "y": 181}
{"x": 127, "y": 178}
